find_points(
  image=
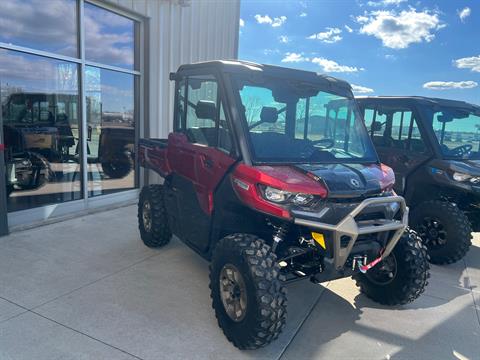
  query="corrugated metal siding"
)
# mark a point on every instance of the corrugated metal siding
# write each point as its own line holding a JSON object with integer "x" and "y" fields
{"x": 182, "y": 32}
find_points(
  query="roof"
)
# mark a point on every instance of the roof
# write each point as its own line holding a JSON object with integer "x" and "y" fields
{"x": 422, "y": 100}
{"x": 239, "y": 66}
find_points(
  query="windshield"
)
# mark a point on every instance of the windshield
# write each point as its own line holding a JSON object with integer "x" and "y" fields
{"x": 457, "y": 131}
{"x": 297, "y": 122}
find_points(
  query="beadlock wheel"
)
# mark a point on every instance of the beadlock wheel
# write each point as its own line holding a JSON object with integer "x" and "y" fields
{"x": 444, "y": 228}
{"x": 233, "y": 292}
{"x": 248, "y": 296}
{"x": 433, "y": 233}
{"x": 384, "y": 272}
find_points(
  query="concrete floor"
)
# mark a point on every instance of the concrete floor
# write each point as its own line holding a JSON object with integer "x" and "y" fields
{"x": 87, "y": 288}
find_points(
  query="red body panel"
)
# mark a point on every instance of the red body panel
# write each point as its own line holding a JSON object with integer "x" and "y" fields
{"x": 202, "y": 165}
{"x": 385, "y": 176}
{"x": 247, "y": 178}
{"x": 154, "y": 157}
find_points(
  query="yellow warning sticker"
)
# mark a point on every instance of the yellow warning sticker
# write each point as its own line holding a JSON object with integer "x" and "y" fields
{"x": 319, "y": 239}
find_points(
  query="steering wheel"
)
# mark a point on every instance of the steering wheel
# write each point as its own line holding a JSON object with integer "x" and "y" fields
{"x": 324, "y": 143}
{"x": 462, "y": 150}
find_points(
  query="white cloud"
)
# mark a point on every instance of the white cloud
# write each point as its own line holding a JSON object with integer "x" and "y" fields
{"x": 275, "y": 22}
{"x": 385, "y": 3}
{"x": 29, "y": 73}
{"x": 106, "y": 37}
{"x": 263, "y": 19}
{"x": 294, "y": 58}
{"x": 332, "y": 66}
{"x": 399, "y": 30}
{"x": 357, "y": 89}
{"x": 390, "y": 57}
{"x": 303, "y": 14}
{"x": 271, "y": 51}
{"x": 279, "y": 21}
{"x": 50, "y": 25}
{"x": 348, "y": 28}
{"x": 283, "y": 39}
{"x": 330, "y": 36}
{"x": 464, "y": 13}
{"x": 448, "y": 85}
{"x": 242, "y": 23}
{"x": 472, "y": 63}
{"x": 45, "y": 25}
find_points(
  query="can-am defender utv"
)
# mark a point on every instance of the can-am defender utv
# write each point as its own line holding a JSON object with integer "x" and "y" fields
{"x": 433, "y": 145}
{"x": 272, "y": 184}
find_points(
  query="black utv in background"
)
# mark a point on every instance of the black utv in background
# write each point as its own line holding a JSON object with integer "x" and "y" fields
{"x": 433, "y": 145}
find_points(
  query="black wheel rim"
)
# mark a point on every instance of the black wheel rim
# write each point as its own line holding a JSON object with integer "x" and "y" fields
{"x": 384, "y": 272}
{"x": 433, "y": 233}
{"x": 233, "y": 292}
{"x": 147, "y": 216}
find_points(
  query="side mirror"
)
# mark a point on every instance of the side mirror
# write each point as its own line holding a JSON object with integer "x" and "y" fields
{"x": 269, "y": 114}
{"x": 377, "y": 126}
{"x": 206, "y": 109}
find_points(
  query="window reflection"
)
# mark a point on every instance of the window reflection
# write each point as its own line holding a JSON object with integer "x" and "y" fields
{"x": 38, "y": 24}
{"x": 111, "y": 127}
{"x": 40, "y": 119}
{"x": 109, "y": 38}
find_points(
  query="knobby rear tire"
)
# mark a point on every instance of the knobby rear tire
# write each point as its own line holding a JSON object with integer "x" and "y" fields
{"x": 159, "y": 233}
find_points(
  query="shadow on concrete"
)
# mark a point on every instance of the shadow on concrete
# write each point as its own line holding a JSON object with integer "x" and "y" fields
{"x": 429, "y": 328}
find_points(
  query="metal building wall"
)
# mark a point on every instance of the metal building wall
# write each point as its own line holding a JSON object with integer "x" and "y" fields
{"x": 182, "y": 31}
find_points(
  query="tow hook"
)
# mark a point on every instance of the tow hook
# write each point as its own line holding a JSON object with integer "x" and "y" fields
{"x": 361, "y": 262}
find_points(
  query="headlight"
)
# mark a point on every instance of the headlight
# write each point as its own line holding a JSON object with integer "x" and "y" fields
{"x": 276, "y": 195}
{"x": 461, "y": 177}
{"x": 282, "y": 197}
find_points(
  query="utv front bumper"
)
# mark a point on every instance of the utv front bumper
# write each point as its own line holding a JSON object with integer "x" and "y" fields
{"x": 381, "y": 215}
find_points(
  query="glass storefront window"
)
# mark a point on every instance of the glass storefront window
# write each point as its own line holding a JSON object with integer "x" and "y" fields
{"x": 40, "y": 119}
{"x": 42, "y": 102}
{"x": 42, "y": 25}
{"x": 111, "y": 128}
{"x": 109, "y": 38}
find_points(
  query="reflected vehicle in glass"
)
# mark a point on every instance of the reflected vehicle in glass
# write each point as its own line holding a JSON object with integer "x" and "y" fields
{"x": 433, "y": 145}
{"x": 37, "y": 132}
{"x": 116, "y": 147}
{"x": 111, "y": 117}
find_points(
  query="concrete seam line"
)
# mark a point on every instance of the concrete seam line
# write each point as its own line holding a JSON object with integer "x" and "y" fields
{"x": 84, "y": 334}
{"x": 70, "y": 216}
{"x": 14, "y": 303}
{"x": 302, "y": 322}
{"x": 14, "y": 316}
{"x": 470, "y": 287}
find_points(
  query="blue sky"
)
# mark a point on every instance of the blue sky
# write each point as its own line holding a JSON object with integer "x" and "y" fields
{"x": 383, "y": 47}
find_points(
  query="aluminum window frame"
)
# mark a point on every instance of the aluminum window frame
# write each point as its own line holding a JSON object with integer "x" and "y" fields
{"x": 17, "y": 219}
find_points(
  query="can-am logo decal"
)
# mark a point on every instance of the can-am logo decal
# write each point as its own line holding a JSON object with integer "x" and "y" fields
{"x": 355, "y": 182}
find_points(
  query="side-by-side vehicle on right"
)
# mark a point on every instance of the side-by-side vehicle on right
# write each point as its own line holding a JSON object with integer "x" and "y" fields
{"x": 433, "y": 145}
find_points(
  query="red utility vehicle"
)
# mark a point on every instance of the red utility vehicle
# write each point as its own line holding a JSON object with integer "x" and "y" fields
{"x": 271, "y": 175}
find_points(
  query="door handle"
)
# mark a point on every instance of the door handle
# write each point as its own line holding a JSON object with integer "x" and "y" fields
{"x": 207, "y": 162}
